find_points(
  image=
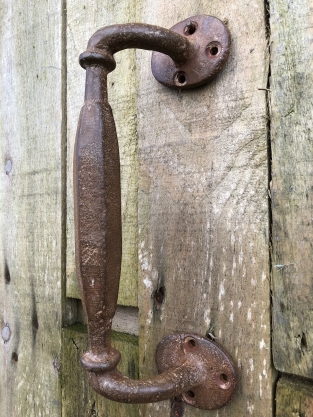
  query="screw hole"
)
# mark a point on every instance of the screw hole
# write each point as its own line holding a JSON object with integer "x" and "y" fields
{"x": 190, "y": 28}
{"x": 191, "y": 394}
{"x": 224, "y": 377}
{"x": 192, "y": 343}
{"x": 14, "y": 357}
{"x": 223, "y": 381}
{"x": 180, "y": 78}
{"x": 213, "y": 49}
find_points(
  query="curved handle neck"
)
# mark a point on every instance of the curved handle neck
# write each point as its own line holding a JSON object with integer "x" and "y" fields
{"x": 115, "y": 38}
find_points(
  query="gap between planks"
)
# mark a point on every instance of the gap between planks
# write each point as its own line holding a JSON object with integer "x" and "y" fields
{"x": 126, "y": 319}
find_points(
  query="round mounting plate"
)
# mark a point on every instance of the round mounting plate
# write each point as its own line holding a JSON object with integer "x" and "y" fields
{"x": 211, "y": 40}
{"x": 219, "y": 385}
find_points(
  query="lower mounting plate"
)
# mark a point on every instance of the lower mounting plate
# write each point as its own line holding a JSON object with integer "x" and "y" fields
{"x": 219, "y": 384}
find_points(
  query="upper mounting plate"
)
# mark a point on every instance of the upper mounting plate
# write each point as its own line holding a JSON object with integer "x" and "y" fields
{"x": 211, "y": 40}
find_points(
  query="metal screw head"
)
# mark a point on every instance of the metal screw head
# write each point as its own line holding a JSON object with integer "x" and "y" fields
{"x": 6, "y": 333}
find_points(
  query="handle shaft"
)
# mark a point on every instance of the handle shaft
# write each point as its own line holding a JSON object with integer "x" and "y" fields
{"x": 98, "y": 217}
{"x": 97, "y": 196}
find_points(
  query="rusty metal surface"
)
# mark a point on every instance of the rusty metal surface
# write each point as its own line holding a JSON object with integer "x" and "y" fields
{"x": 211, "y": 44}
{"x": 98, "y": 237}
{"x": 218, "y": 384}
{"x": 190, "y": 366}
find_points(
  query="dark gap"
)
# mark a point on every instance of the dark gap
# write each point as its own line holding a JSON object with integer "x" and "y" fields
{"x": 304, "y": 344}
{"x": 269, "y": 198}
{"x": 177, "y": 407}
{"x": 74, "y": 343}
{"x": 35, "y": 324}
{"x": 7, "y": 276}
{"x": 159, "y": 296}
{"x": 94, "y": 412}
{"x": 68, "y": 307}
{"x": 64, "y": 144}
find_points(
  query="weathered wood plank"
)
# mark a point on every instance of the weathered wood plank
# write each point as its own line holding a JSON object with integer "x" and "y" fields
{"x": 31, "y": 207}
{"x": 78, "y": 398}
{"x": 292, "y": 184}
{"x": 82, "y": 21}
{"x": 203, "y": 212}
{"x": 294, "y": 398}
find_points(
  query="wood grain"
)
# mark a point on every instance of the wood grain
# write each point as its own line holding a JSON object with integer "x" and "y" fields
{"x": 83, "y": 19}
{"x": 203, "y": 211}
{"x": 78, "y": 398}
{"x": 31, "y": 207}
{"x": 292, "y": 185}
{"x": 294, "y": 398}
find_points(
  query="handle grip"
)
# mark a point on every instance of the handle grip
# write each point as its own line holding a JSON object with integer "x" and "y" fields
{"x": 187, "y": 363}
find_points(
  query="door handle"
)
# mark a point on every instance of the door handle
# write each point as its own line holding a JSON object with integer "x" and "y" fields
{"x": 190, "y": 366}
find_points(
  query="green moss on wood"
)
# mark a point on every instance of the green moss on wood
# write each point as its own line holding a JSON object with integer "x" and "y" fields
{"x": 294, "y": 398}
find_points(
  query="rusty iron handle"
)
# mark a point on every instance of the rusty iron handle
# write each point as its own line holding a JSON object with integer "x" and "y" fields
{"x": 186, "y": 361}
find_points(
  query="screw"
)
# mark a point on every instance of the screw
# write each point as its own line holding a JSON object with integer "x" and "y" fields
{"x": 6, "y": 333}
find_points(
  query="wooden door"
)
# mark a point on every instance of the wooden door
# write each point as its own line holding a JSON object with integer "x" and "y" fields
{"x": 217, "y": 199}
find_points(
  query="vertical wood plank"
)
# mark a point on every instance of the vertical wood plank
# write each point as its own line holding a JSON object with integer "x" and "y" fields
{"x": 31, "y": 207}
{"x": 203, "y": 211}
{"x": 294, "y": 398}
{"x": 84, "y": 18}
{"x": 292, "y": 184}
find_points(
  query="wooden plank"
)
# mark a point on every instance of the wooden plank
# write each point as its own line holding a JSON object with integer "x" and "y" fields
{"x": 84, "y": 18}
{"x": 78, "y": 398}
{"x": 292, "y": 184}
{"x": 294, "y": 397}
{"x": 203, "y": 211}
{"x": 31, "y": 207}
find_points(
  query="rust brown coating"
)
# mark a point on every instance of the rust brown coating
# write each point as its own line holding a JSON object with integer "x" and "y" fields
{"x": 111, "y": 39}
{"x": 183, "y": 367}
{"x": 211, "y": 45}
{"x": 218, "y": 385}
{"x": 98, "y": 239}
